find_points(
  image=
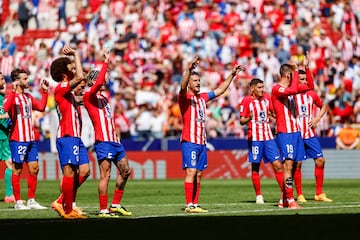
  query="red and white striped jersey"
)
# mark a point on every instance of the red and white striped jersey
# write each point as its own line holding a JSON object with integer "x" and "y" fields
{"x": 68, "y": 111}
{"x": 284, "y": 104}
{"x": 99, "y": 109}
{"x": 259, "y": 128}
{"x": 305, "y": 102}
{"x": 193, "y": 111}
{"x": 19, "y": 108}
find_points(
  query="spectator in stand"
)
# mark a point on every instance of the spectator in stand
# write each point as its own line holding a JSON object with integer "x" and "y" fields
{"x": 227, "y": 118}
{"x": 347, "y": 138}
{"x": 342, "y": 106}
{"x": 304, "y": 35}
{"x": 75, "y": 30}
{"x": 24, "y": 14}
{"x": 193, "y": 138}
{"x": 256, "y": 110}
{"x": 282, "y": 54}
{"x": 349, "y": 21}
{"x": 20, "y": 106}
{"x": 57, "y": 44}
{"x": 62, "y": 21}
{"x": 158, "y": 122}
{"x": 174, "y": 120}
{"x": 357, "y": 108}
{"x": 9, "y": 45}
{"x": 7, "y": 63}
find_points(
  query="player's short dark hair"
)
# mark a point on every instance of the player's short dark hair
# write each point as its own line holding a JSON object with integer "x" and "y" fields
{"x": 286, "y": 68}
{"x": 194, "y": 73}
{"x": 301, "y": 71}
{"x": 255, "y": 81}
{"x": 15, "y": 73}
{"x": 58, "y": 67}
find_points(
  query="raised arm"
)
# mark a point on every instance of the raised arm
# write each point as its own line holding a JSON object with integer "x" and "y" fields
{"x": 184, "y": 83}
{"x": 224, "y": 85}
{"x": 79, "y": 73}
{"x": 100, "y": 79}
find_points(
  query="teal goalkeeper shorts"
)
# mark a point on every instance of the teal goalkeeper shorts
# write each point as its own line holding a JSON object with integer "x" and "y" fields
{"x": 5, "y": 152}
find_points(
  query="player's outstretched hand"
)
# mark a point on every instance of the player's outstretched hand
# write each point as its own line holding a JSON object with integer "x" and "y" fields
{"x": 237, "y": 69}
{"x": 67, "y": 50}
{"x": 306, "y": 59}
{"x": 44, "y": 84}
{"x": 194, "y": 63}
{"x": 106, "y": 53}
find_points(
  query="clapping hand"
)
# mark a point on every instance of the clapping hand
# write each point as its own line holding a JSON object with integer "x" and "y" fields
{"x": 44, "y": 85}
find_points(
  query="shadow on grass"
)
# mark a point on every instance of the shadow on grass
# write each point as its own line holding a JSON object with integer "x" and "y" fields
{"x": 189, "y": 227}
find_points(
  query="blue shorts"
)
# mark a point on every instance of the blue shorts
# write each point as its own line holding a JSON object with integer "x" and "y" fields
{"x": 194, "y": 156}
{"x": 291, "y": 146}
{"x": 112, "y": 151}
{"x": 23, "y": 151}
{"x": 71, "y": 150}
{"x": 313, "y": 148}
{"x": 267, "y": 150}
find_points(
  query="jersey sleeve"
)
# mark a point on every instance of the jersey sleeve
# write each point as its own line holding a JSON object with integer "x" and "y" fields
{"x": 39, "y": 105}
{"x": 317, "y": 100}
{"x": 99, "y": 81}
{"x": 8, "y": 102}
{"x": 244, "y": 107}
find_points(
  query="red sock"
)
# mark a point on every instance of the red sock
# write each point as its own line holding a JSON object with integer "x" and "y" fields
{"x": 68, "y": 191}
{"x": 60, "y": 198}
{"x": 189, "y": 188}
{"x": 77, "y": 183}
{"x": 82, "y": 179}
{"x": 103, "y": 200}
{"x": 280, "y": 180}
{"x": 319, "y": 179}
{"x": 32, "y": 183}
{"x": 256, "y": 182}
{"x": 197, "y": 193}
{"x": 117, "y": 196}
{"x": 15, "y": 180}
{"x": 298, "y": 181}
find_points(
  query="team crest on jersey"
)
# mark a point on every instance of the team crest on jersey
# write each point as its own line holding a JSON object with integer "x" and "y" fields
{"x": 281, "y": 89}
{"x": 303, "y": 108}
{"x": 201, "y": 113}
{"x": 64, "y": 84}
{"x": 108, "y": 111}
{"x": 262, "y": 115}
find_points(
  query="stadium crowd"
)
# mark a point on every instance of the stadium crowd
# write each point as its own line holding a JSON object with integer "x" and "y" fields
{"x": 151, "y": 42}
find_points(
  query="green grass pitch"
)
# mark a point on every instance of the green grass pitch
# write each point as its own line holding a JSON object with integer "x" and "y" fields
{"x": 157, "y": 207}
